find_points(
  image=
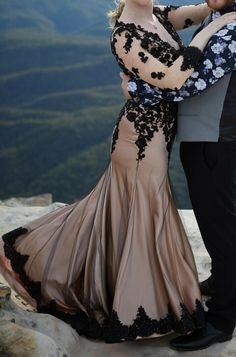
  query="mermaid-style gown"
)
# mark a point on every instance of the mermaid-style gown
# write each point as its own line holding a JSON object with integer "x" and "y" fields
{"x": 116, "y": 265}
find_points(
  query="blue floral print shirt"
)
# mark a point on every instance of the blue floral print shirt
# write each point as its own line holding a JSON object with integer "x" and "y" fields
{"x": 219, "y": 59}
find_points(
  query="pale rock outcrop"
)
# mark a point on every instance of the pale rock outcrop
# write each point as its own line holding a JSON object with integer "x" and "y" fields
{"x": 39, "y": 200}
{"x": 28, "y": 334}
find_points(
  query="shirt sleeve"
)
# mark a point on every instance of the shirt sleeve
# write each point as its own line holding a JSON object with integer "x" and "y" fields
{"x": 219, "y": 59}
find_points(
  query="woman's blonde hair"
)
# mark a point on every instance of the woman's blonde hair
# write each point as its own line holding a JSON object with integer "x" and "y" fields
{"x": 114, "y": 15}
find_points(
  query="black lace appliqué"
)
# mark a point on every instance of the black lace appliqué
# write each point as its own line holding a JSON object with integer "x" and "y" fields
{"x": 168, "y": 9}
{"x": 135, "y": 71}
{"x": 129, "y": 41}
{"x": 111, "y": 330}
{"x": 148, "y": 121}
{"x": 188, "y": 23}
{"x": 191, "y": 58}
{"x": 144, "y": 326}
{"x": 158, "y": 75}
{"x": 115, "y": 135}
{"x": 143, "y": 57}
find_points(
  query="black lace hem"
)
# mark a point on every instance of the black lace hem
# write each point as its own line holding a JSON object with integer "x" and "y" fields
{"x": 111, "y": 330}
{"x": 18, "y": 262}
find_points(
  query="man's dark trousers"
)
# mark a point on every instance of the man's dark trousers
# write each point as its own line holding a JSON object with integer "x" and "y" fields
{"x": 210, "y": 168}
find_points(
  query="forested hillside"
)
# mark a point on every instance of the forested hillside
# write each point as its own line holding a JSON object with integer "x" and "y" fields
{"x": 60, "y": 97}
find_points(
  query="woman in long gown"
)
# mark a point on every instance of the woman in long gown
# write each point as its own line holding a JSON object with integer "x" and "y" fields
{"x": 117, "y": 265}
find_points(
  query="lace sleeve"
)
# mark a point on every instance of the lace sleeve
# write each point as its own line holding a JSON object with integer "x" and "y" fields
{"x": 219, "y": 59}
{"x": 131, "y": 50}
{"x": 182, "y": 17}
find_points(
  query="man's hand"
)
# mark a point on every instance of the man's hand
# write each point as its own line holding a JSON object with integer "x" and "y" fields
{"x": 124, "y": 84}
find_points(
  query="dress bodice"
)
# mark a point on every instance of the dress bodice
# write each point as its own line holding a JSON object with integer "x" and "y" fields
{"x": 144, "y": 54}
{"x": 149, "y": 42}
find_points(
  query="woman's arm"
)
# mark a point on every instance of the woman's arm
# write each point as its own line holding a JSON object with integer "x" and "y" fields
{"x": 144, "y": 65}
{"x": 184, "y": 16}
{"x": 219, "y": 59}
{"x": 131, "y": 51}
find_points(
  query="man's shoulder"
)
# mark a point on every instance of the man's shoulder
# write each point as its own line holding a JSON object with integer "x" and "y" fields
{"x": 227, "y": 33}
{"x": 223, "y": 42}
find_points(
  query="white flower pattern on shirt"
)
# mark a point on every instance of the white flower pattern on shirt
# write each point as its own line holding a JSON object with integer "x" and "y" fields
{"x": 232, "y": 46}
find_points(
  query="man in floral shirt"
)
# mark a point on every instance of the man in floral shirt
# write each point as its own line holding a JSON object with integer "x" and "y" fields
{"x": 207, "y": 131}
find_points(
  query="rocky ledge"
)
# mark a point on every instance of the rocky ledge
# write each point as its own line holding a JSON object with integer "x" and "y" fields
{"x": 27, "y": 334}
{"x": 24, "y": 333}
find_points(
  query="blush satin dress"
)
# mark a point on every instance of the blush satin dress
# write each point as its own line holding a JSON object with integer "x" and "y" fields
{"x": 117, "y": 265}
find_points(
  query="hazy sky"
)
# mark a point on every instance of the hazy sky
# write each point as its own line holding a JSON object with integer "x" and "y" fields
{"x": 178, "y": 2}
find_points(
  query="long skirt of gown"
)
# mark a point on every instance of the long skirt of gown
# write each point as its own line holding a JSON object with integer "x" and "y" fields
{"x": 116, "y": 265}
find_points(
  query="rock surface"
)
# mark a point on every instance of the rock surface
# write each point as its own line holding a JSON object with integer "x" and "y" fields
{"x": 39, "y": 200}
{"x": 28, "y": 334}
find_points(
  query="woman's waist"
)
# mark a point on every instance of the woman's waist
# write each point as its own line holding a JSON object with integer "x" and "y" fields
{"x": 157, "y": 115}
{"x": 162, "y": 107}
